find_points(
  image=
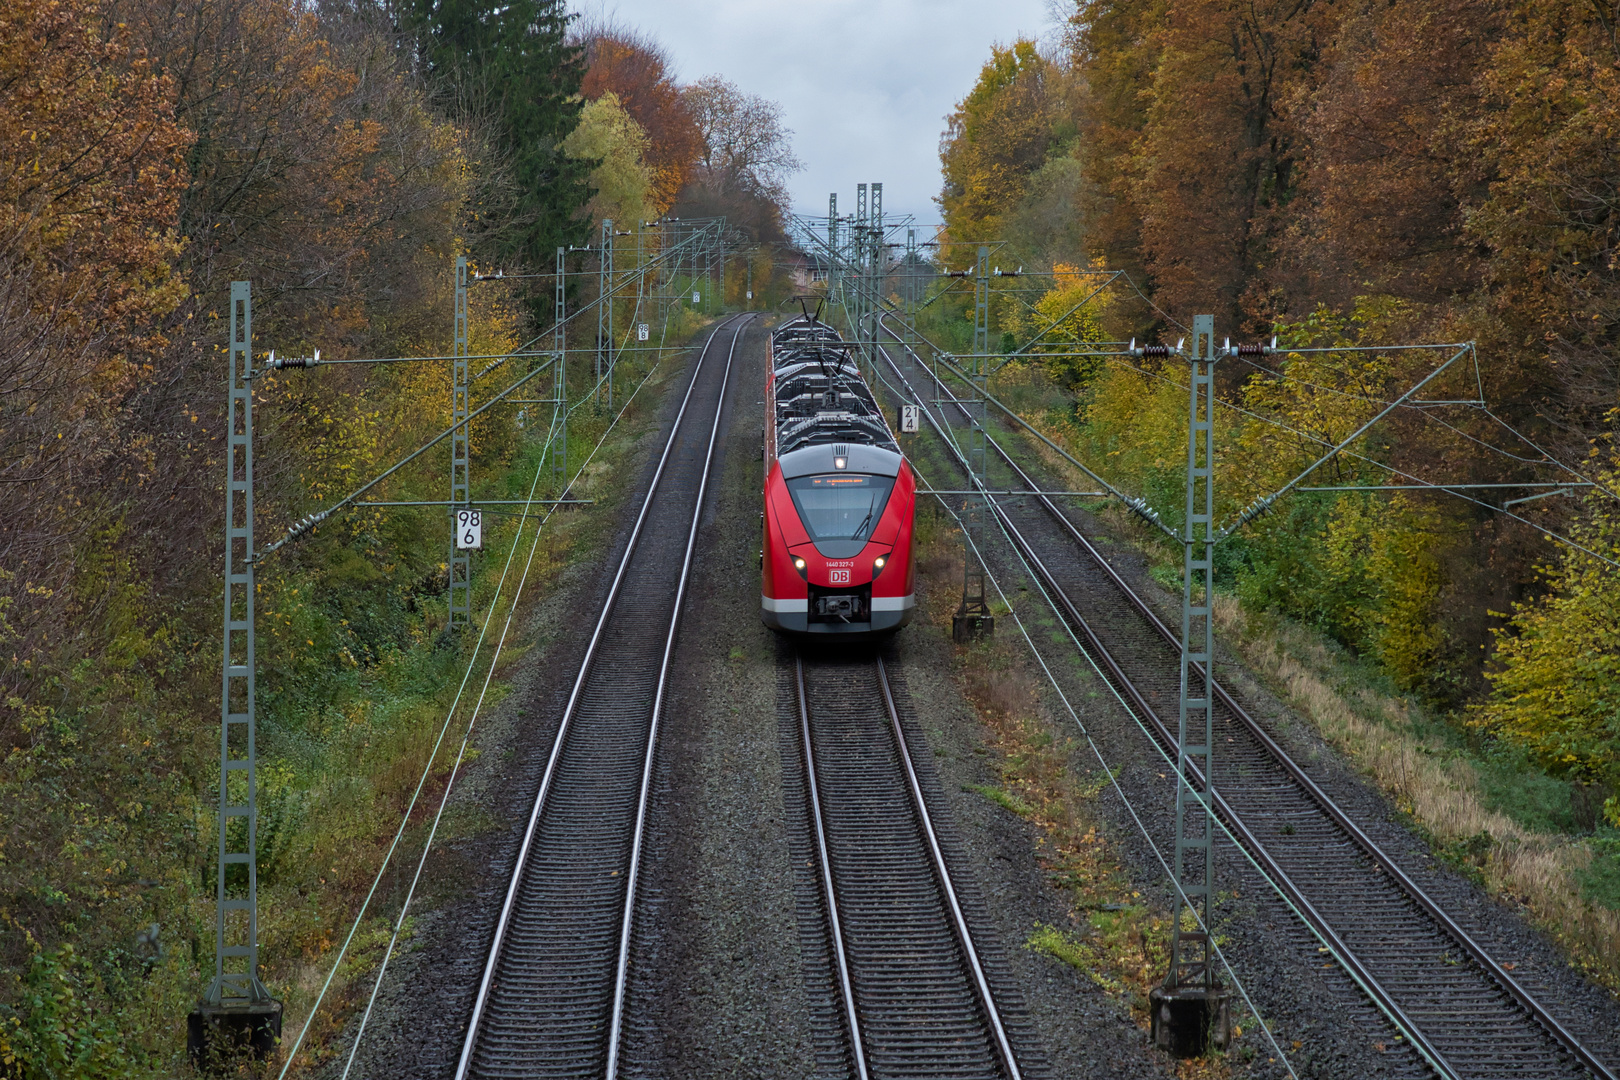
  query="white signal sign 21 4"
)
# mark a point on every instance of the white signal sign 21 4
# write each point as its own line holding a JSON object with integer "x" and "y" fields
{"x": 909, "y": 418}
{"x": 470, "y": 530}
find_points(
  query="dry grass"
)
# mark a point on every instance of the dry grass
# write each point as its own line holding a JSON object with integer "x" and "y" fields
{"x": 1539, "y": 870}
{"x": 1114, "y": 937}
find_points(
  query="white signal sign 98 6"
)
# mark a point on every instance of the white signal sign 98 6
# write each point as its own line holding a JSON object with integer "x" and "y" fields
{"x": 470, "y": 530}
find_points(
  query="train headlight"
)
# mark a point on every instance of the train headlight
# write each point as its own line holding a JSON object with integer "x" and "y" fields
{"x": 839, "y": 463}
{"x": 877, "y": 563}
{"x": 798, "y": 564}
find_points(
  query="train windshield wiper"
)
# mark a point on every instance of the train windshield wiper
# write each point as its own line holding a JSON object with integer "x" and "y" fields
{"x": 870, "y": 507}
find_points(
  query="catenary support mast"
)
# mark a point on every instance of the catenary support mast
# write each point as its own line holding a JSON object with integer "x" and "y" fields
{"x": 460, "y": 464}
{"x": 237, "y": 1010}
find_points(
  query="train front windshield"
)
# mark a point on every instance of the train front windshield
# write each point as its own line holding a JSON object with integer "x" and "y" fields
{"x": 840, "y": 506}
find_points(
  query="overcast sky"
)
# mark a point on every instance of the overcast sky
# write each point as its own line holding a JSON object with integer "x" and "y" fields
{"x": 865, "y": 85}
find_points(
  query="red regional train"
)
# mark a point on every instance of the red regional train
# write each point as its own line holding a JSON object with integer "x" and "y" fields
{"x": 840, "y": 499}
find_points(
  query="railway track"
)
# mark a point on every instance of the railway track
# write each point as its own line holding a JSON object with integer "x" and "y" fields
{"x": 552, "y": 997}
{"x": 914, "y": 996}
{"x": 1462, "y": 1012}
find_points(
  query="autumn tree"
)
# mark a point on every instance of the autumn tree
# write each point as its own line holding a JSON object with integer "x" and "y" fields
{"x": 90, "y": 184}
{"x": 609, "y": 137}
{"x": 1112, "y": 46}
{"x": 745, "y": 149}
{"x": 745, "y": 158}
{"x": 635, "y": 69}
{"x": 1387, "y": 174}
{"x": 1067, "y": 313}
{"x": 148, "y": 165}
{"x": 1557, "y": 671}
{"x": 996, "y": 139}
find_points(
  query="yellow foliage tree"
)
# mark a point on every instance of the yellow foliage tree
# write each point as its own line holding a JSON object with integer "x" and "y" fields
{"x": 623, "y": 181}
{"x": 1557, "y": 683}
{"x": 1067, "y": 314}
{"x": 998, "y": 136}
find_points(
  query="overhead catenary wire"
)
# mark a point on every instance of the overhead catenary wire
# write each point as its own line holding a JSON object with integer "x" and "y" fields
{"x": 1140, "y": 506}
{"x": 308, "y": 522}
{"x": 1136, "y": 504}
{"x": 460, "y": 756}
{"x": 559, "y": 741}
{"x": 938, "y": 428}
{"x": 1427, "y": 484}
{"x": 1480, "y": 406}
{"x": 1347, "y": 959}
{"x": 1324, "y": 933}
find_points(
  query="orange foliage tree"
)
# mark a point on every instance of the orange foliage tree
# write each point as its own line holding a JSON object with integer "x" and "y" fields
{"x": 91, "y": 176}
{"x": 636, "y": 69}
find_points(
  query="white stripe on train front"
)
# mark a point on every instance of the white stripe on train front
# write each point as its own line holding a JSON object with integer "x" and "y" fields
{"x": 879, "y": 603}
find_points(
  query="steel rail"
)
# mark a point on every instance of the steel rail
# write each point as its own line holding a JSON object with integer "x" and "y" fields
{"x": 987, "y": 999}
{"x": 1358, "y": 971}
{"x": 829, "y": 891}
{"x": 482, "y": 998}
{"x": 937, "y": 868}
{"x": 1536, "y": 1011}
{"x": 1358, "y": 836}
{"x": 622, "y": 972}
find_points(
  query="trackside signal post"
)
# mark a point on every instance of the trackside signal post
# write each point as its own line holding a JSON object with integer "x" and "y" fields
{"x": 460, "y": 565}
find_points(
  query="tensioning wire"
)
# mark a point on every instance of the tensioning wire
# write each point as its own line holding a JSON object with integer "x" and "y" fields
{"x": 426, "y": 771}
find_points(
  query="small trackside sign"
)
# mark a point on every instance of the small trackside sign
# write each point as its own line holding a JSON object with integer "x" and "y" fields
{"x": 909, "y": 419}
{"x": 470, "y": 530}
{"x": 697, "y": 298}
{"x": 643, "y": 331}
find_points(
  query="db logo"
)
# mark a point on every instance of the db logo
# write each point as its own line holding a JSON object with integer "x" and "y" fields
{"x": 838, "y": 577}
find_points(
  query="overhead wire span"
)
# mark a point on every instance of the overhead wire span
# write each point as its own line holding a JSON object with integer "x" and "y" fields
{"x": 1427, "y": 484}
{"x": 309, "y": 521}
{"x": 1416, "y": 1038}
{"x": 1550, "y": 459}
{"x": 1480, "y": 405}
{"x": 449, "y": 716}
{"x": 1136, "y": 504}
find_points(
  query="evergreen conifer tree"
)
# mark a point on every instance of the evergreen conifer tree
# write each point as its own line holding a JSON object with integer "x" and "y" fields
{"x": 510, "y": 64}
